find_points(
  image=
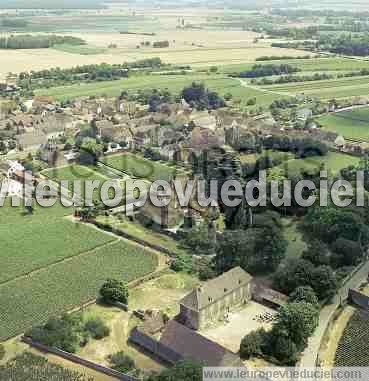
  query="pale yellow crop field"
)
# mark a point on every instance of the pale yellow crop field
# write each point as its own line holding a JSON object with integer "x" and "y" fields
{"x": 16, "y": 61}
{"x": 197, "y": 47}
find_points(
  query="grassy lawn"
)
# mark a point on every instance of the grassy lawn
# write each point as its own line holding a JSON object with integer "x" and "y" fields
{"x": 79, "y": 172}
{"x": 351, "y": 124}
{"x": 274, "y": 155}
{"x": 333, "y": 162}
{"x": 163, "y": 293}
{"x": 139, "y": 231}
{"x": 296, "y": 245}
{"x": 29, "y": 301}
{"x": 140, "y": 167}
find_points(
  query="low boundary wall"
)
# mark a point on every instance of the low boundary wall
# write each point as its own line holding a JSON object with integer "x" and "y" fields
{"x": 80, "y": 361}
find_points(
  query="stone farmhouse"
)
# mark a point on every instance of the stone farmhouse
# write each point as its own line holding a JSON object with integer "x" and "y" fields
{"x": 215, "y": 299}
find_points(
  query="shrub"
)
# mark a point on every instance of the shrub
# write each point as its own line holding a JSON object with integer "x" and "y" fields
{"x": 97, "y": 328}
{"x": 304, "y": 294}
{"x": 66, "y": 333}
{"x": 2, "y": 352}
{"x": 253, "y": 344}
{"x": 114, "y": 291}
{"x": 122, "y": 362}
{"x": 182, "y": 263}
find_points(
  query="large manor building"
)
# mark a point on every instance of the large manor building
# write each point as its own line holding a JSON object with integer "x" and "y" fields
{"x": 214, "y": 300}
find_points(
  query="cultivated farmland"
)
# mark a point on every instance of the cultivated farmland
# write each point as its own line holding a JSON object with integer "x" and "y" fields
{"x": 327, "y": 89}
{"x": 350, "y": 124}
{"x": 29, "y": 301}
{"x": 307, "y": 65}
{"x": 353, "y": 348}
{"x": 174, "y": 83}
{"x": 50, "y": 264}
{"x": 31, "y": 242}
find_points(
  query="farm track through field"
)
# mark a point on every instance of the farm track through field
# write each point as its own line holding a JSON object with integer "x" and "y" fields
{"x": 264, "y": 90}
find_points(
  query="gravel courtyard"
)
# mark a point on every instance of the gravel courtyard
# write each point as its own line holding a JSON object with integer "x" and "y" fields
{"x": 241, "y": 322}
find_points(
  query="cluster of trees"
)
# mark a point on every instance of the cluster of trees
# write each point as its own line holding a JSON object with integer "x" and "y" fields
{"x": 283, "y": 103}
{"x": 121, "y": 362}
{"x": 13, "y": 23}
{"x": 69, "y": 332}
{"x": 341, "y": 233}
{"x": 157, "y": 98}
{"x": 346, "y": 44}
{"x": 201, "y": 98}
{"x": 97, "y": 72}
{"x": 267, "y": 70}
{"x": 90, "y": 151}
{"x": 337, "y": 240}
{"x": 357, "y": 73}
{"x": 183, "y": 371}
{"x": 307, "y": 45}
{"x": 198, "y": 240}
{"x": 295, "y": 13}
{"x": 294, "y": 33}
{"x": 28, "y": 41}
{"x": 295, "y": 323}
{"x": 29, "y": 367}
{"x": 160, "y": 44}
{"x": 302, "y": 147}
{"x": 52, "y": 4}
{"x": 280, "y": 58}
{"x": 262, "y": 163}
{"x": 113, "y": 291}
{"x": 254, "y": 242}
{"x": 301, "y": 273}
{"x": 294, "y": 79}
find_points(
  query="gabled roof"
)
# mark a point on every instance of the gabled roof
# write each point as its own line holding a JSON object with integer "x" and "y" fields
{"x": 188, "y": 344}
{"x": 215, "y": 289}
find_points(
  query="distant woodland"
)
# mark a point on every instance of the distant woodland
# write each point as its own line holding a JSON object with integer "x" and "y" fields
{"x": 28, "y": 41}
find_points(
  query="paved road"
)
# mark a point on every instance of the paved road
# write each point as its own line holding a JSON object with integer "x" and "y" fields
{"x": 310, "y": 354}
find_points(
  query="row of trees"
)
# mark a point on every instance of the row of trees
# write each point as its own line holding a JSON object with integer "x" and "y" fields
{"x": 280, "y": 58}
{"x": 267, "y": 70}
{"x": 28, "y": 41}
{"x": 293, "y": 79}
{"x": 346, "y": 44}
{"x": 95, "y": 72}
{"x": 301, "y": 147}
